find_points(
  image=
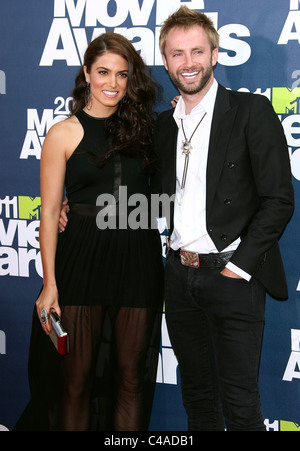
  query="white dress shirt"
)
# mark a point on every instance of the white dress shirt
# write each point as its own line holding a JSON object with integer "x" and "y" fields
{"x": 190, "y": 231}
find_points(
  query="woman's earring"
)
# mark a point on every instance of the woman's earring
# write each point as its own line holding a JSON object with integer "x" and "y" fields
{"x": 88, "y": 98}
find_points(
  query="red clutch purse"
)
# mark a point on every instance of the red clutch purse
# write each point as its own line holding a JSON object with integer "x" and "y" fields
{"x": 58, "y": 334}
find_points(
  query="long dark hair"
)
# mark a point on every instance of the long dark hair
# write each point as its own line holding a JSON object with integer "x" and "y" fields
{"x": 130, "y": 128}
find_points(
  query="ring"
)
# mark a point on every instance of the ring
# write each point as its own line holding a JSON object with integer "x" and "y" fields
{"x": 44, "y": 316}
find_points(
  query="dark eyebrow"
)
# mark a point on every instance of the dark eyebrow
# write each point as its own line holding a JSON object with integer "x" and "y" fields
{"x": 108, "y": 70}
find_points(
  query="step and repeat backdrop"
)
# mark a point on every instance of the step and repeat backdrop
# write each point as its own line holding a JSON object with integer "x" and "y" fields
{"x": 41, "y": 48}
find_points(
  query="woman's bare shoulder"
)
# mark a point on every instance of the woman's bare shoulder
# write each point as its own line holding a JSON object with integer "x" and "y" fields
{"x": 67, "y": 133}
{"x": 69, "y": 125}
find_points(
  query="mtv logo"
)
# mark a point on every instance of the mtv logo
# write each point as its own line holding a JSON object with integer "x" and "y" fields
{"x": 286, "y": 101}
{"x": 289, "y": 426}
{"x": 29, "y": 207}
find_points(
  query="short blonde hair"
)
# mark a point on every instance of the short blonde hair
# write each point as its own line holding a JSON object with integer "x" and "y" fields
{"x": 186, "y": 18}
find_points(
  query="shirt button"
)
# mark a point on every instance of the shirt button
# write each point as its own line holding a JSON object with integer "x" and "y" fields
{"x": 227, "y": 201}
{"x": 230, "y": 165}
{"x": 223, "y": 237}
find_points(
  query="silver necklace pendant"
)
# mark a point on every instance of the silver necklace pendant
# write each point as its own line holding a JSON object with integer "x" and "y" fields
{"x": 187, "y": 147}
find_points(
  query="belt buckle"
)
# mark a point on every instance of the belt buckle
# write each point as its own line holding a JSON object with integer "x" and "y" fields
{"x": 188, "y": 258}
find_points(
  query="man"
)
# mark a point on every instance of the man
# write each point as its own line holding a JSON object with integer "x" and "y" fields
{"x": 224, "y": 155}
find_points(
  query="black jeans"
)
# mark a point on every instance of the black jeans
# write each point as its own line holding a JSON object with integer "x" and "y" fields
{"x": 216, "y": 327}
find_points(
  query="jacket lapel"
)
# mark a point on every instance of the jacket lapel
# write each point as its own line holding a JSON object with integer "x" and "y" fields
{"x": 168, "y": 146}
{"x": 222, "y": 123}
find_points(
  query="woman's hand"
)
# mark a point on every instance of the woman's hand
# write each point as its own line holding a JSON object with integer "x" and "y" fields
{"x": 47, "y": 301}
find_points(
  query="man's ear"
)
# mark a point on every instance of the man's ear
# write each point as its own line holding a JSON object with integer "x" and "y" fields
{"x": 215, "y": 54}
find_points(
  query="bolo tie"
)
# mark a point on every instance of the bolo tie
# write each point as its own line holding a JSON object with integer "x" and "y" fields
{"x": 187, "y": 147}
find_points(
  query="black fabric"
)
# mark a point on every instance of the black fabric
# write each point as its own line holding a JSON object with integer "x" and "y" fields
{"x": 216, "y": 328}
{"x": 248, "y": 163}
{"x": 110, "y": 285}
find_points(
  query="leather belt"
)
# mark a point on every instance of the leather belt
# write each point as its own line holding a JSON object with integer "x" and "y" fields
{"x": 195, "y": 260}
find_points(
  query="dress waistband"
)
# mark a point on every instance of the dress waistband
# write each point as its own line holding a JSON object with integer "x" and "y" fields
{"x": 85, "y": 209}
{"x": 93, "y": 210}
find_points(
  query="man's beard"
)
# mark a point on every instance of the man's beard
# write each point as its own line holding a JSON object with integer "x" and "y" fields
{"x": 191, "y": 89}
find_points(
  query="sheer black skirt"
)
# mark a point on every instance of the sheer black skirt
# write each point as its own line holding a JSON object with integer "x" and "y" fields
{"x": 105, "y": 382}
{"x": 110, "y": 285}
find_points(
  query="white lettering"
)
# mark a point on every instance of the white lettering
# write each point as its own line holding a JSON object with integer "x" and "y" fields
{"x": 292, "y": 370}
{"x": 291, "y": 125}
{"x": 60, "y": 33}
{"x": 100, "y": 13}
{"x": 165, "y": 339}
{"x": 27, "y": 233}
{"x": 272, "y": 426}
{"x": 17, "y": 262}
{"x": 67, "y": 39}
{"x": 75, "y": 12}
{"x": 9, "y": 262}
{"x": 241, "y": 49}
{"x": 296, "y": 76}
{"x": 145, "y": 45}
{"x": 41, "y": 126}
{"x": 140, "y": 16}
{"x": 81, "y": 39}
{"x": 291, "y": 29}
{"x": 25, "y": 257}
{"x": 7, "y": 203}
{"x": 167, "y": 364}
{"x": 32, "y": 146}
{"x": 295, "y": 340}
{"x": 294, "y": 4}
{"x": 295, "y": 164}
{"x": 165, "y": 8}
{"x": 37, "y": 129}
{"x": 7, "y": 237}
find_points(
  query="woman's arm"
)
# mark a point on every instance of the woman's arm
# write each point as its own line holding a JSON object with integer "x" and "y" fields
{"x": 53, "y": 166}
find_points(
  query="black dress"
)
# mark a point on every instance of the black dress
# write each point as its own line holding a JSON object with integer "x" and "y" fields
{"x": 110, "y": 284}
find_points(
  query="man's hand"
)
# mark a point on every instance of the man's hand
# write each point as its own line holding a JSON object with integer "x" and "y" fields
{"x": 174, "y": 101}
{"x": 228, "y": 273}
{"x": 63, "y": 219}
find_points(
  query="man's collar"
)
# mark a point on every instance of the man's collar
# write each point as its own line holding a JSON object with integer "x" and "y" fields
{"x": 206, "y": 104}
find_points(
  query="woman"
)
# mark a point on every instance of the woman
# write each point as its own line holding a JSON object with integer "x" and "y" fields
{"x": 105, "y": 283}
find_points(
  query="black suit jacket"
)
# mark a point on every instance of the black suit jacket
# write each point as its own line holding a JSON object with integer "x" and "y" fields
{"x": 249, "y": 188}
